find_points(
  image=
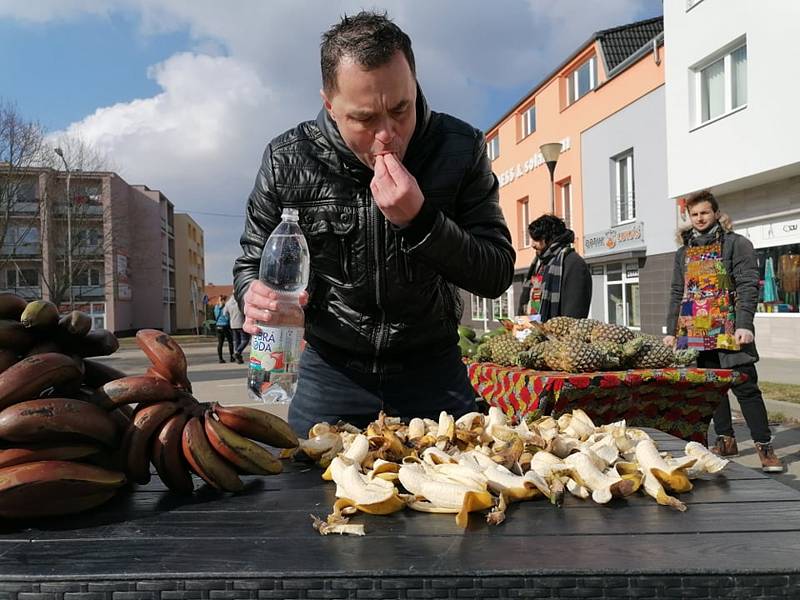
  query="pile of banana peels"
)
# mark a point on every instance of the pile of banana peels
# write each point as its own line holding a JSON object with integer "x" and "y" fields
{"x": 483, "y": 463}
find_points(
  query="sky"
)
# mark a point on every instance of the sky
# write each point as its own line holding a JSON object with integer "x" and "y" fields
{"x": 184, "y": 95}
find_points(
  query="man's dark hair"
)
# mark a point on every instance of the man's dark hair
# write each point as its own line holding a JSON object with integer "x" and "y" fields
{"x": 368, "y": 38}
{"x": 702, "y": 196}
{"x": 546, "y": 228}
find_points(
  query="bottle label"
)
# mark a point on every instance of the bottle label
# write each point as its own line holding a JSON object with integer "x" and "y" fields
{"x": 276, "y": 350}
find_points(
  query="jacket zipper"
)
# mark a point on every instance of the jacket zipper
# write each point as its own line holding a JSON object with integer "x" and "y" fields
{"x": 378, "y": 222}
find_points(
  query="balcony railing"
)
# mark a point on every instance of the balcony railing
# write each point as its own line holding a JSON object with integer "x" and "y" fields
{"x": 29, "y": 292}
{"x": 30, "y": 249}
{"x": 25, "y": 207}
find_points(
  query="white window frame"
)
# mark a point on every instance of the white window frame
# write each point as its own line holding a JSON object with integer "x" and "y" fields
{"x": 477, "y": 308}
{"x": 493, "y": 147}
{"x": 88, "y": 273}
{"x": 566, "y": 202}
{"x": 573, "y": 90}
{"x": 506, "y": 298}
{"x": 525, "y": 219}
{"x": 697, "y": 72}
{"x": 624, "y": 161}
{"x": 528, "y": 118}
{"x": 625, "y": 279}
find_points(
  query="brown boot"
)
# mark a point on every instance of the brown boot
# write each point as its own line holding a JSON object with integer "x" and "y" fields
{"x": 725, "y": 446}
{"x": 770, "y": 463}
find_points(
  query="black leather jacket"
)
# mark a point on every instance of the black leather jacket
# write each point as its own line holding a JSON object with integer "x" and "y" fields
{"x": 380, "y": 297}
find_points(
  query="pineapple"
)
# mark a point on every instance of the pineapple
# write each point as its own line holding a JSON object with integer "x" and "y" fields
{"x": 653, "y": 354}
{"x": 505, "y": 349}
{"x": 683, "y": 358}
{"x": 612, "y": 352}
{"x": 573, "y": 356}
{"x": 483, "y": 353}
{"x": 559, "y": 326}
{"x": 533, "y": 357}
{"x": 614, "y": 333}
{"x": 583, "y": 329}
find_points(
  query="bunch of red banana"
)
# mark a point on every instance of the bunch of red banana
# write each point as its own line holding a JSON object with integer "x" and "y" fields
{"x": 55, "y": 445}
{"x": 179, "y": 435}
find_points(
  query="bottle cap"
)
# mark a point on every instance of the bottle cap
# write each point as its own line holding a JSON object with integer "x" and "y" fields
{"x": 290, "y": 214}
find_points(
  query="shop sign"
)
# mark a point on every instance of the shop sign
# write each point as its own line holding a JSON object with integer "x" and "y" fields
{"x": 775, "y": 233}
{"x": 523, "y": 168}
{"x": 622, "y": 238}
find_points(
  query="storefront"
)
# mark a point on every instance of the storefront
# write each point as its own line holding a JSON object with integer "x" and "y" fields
{"x": 615, "y": 257}
{"x": 777, "y": 244}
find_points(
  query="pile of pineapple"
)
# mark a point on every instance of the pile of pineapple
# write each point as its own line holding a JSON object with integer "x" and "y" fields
{"x": 575, "y": 346}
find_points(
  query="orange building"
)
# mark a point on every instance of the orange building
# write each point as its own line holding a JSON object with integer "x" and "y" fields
{"x": 613, "y": 69}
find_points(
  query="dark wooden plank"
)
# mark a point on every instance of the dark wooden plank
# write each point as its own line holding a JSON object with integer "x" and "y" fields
{"x": 417, "y": 556}
{"x": 525, "y": 519}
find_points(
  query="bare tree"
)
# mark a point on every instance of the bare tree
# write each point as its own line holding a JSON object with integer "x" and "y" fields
{"x": 22, "y": 148}
{"x": 76, "y": 226}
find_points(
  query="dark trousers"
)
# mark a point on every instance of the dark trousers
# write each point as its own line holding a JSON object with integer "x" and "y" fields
{"x": 328, "y": 392}
{"x": 240, "y": 340}
{"x": 749, "y": 396}
{"x": 223, "y": 334}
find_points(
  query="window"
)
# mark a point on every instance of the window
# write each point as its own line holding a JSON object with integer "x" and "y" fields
{"x": 528, "y": 121}
{"x": 89, "y": 277}
{"x": 502, "y": 306}
{"x": 17, "y": 278}
{"x": 779, "y": 269}
{"x": 722, "y": 84}
{"x": 582, "y": 80}
{"x": 624, "y": 190}
{"x": 622, "y": 295}
{"x": 493, "y": 147}
{"x": 478, "y": 307}
{"x": 523, "y": 217}
{"x": 21, "y": 240}
{"x": 565, "y": 202}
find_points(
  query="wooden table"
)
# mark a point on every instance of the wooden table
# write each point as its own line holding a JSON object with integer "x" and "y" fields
{"x": 678, "y": 401}
{"x": 740, "y": 538}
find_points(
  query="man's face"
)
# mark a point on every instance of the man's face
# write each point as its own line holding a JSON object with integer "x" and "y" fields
{"x": 375, "y": 110}
{"x": 538, "y": 246}
{"x": 702, "y": 216}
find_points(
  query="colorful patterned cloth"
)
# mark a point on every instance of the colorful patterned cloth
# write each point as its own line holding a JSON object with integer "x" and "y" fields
{"x": 680, "y": 402}
{"x": 707, "y": 318}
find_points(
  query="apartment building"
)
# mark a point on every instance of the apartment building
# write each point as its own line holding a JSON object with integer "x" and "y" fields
{"x": 732, "y": 128}
{"x": 109, "y": 251}
{"x": 190, "y": 280}
{"x": 611, "y": 70}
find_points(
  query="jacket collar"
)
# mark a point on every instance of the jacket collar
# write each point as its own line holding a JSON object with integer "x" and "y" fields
{"x": 330, "y": 131}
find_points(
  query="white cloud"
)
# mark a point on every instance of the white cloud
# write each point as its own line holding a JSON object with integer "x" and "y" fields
{"x": 253, "y": 72}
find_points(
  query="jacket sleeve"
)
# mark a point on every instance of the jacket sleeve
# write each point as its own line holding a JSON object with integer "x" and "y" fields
{"x": 744, "y": 267}
{"x": 576, "y": 290}
{"x": 262, "y": 216}
{"x": 472, "y": 250}
{"x": 675, "y": 292}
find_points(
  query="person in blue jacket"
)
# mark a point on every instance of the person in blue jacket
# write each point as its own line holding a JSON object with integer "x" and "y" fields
{"x": 223, "y": 320}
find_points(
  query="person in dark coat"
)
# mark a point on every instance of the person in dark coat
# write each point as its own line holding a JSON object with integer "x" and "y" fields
{"x": 400, "y": 208}
{"x": 712, "y": 302}
{"x": 558, "y": 282}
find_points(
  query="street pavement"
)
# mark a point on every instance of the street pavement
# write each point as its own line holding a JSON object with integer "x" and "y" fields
{"x": 226, "y": 384}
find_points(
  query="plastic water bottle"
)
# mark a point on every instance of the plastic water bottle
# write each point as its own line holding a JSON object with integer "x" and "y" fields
{"x": 275, "y": 351}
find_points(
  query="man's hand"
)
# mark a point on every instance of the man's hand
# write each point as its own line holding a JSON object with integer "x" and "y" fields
{"x": 395, "y": 190}
{"x": 262, "y": 304}
{"x": 744, "y": 336}
{"x": 669, "y": 341}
